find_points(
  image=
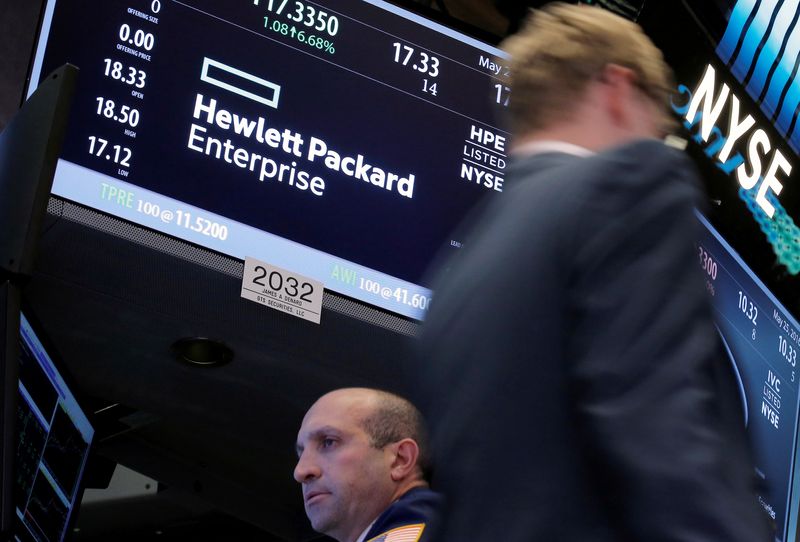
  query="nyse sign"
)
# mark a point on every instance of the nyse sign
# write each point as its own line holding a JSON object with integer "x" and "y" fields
{"x": 704, "y": 106}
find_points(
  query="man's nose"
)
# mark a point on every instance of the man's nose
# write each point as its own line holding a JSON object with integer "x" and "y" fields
{"x": 306, "y": 469}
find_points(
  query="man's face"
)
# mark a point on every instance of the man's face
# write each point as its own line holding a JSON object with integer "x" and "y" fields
{"x": 346, "y": 481}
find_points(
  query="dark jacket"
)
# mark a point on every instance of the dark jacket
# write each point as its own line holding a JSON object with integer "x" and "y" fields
{"x": 409, "y": 518}
{"x": 569, "y": 365}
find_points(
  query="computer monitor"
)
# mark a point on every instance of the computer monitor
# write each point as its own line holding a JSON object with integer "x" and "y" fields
{"x": 54, "y": 438}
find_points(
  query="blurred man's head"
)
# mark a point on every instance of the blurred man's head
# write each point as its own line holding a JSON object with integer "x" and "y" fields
{"x": 358, "y": 451}
{"x": 584, "y": 65}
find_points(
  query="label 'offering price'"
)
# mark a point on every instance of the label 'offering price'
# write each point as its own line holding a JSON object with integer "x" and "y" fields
{"x": 282, "y": 290}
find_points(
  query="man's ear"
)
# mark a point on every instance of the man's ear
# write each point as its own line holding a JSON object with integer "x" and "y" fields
{"x": 619, "y": 84}
{"x": 404, "y": 462}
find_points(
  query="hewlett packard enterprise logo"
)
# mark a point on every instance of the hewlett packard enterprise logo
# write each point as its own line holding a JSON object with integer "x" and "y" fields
{"x": 761, "y": 45}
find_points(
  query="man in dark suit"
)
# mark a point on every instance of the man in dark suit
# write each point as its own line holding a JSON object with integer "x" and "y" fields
{"x": 569, "y": 366}
{"x": 362, "y": 461}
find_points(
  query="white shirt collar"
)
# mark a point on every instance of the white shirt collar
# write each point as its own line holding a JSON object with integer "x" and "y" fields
{"x": 365, "y": 531}
{"x": 543, "y": 146}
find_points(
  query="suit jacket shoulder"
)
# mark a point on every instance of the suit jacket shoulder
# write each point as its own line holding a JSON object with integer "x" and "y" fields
{"x": 408, "y": 519}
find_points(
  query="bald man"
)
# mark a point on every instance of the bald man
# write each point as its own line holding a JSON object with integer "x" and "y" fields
{"x": 362, "y": 457}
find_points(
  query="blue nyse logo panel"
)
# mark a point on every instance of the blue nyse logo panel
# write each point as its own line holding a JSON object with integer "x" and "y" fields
{"x": 761, "y": 45}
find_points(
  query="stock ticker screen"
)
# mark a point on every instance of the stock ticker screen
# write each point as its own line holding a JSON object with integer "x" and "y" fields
{"x": 342, "y": 139}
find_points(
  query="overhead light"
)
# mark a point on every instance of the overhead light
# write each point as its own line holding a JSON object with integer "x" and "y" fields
{"x": 201, "y": 351}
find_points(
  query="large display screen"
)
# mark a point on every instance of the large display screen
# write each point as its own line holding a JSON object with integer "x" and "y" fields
{"x": 54, "y": 436}
{"x": 343, "y": 139}
{"x": 737, "y": 99}
{"x": 761, "y": 338}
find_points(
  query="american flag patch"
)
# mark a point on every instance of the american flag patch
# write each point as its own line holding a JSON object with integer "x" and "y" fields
{"x": 408, "y": 533}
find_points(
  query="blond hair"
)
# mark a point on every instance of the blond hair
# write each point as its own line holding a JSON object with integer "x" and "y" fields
{"x": 562, "y": 47}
